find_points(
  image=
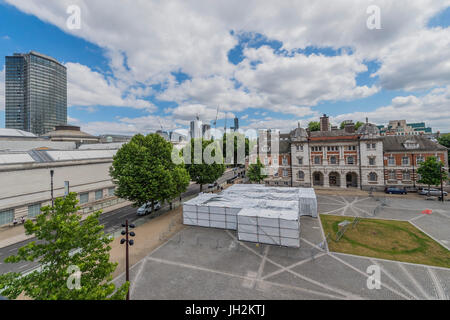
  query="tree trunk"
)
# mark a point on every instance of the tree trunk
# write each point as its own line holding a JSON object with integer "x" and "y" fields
{"x": 153, "y": 206}
{"x": 201, "y": 187}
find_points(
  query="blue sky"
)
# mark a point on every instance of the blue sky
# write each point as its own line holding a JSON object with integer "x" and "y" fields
{"x": 269, "y": 72}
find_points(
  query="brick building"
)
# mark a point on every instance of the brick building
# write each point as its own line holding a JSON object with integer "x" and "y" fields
{"x": 403, "y": 155}
{"x": 344, "y": 158}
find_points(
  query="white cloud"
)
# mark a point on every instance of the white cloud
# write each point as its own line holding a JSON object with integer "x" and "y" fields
{"x": 433, "y": 109}
{"x": 301, "y": 80}
{"x": 419, "y": 61}
{"x": 145, "y": 41}
{"x": 90, "y": 88}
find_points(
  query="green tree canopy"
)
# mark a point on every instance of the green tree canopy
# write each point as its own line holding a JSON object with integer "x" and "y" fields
{"x": 206, "y": 161}
{"x": 64, "y": 243}
{"x": 236, "y": 136}
{"x": 357, "y": 125}
{"x": 144, "y": 172}
{"x": 314, "y": 126}
{"x": 255, "y": 172}
{"x": 430, "y": 172}
{"x": 444, "y": 140}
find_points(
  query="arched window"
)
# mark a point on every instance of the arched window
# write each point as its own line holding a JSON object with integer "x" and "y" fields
{"x": 373, "y": 176}
{"x": 301, "y": 175}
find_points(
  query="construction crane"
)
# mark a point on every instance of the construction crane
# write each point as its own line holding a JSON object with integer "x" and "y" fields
{"x": 226, "y": 118}
{"x": 217, "y": 116}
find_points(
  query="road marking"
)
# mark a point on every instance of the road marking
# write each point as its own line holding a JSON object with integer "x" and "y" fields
{"x": 366, "y": 275}
{"x": 395, "y": 280}
{"x": 414, "y": 281}
{"x": 346, "y": 294}
{"x": 440, "y": 291}
{"x": 243, "y": 277}
{"x": 293, "y": 266}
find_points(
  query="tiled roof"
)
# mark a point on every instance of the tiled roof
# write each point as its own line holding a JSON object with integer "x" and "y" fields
{"x": 396, "y": 143}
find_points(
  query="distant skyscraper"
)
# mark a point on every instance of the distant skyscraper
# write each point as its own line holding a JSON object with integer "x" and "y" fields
{"x": 36, "y": 93}
{"x": 206, "y": 132}
{"x": 196, "y": 129}
{"x": 236, "y": 124}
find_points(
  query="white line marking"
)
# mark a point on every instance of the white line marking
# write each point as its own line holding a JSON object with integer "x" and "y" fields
{"x": 395, "y": 280}
{"x": 414, "y": 281}
{"x": 242, "y": 277}
{"x": 339, "y": 291}
{"x": 440, "y": 291}
{"x": 366, "y": 275}
{"x": 137, "y": 277}
{"x": 438, "y": 241}
{"x": 292, "y": 266}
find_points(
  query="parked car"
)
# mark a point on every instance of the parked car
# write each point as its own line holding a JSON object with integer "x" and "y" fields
{"x": 394, "y": 190}
{"x": 432, "y": 192}
{"x": 147, "y": 208}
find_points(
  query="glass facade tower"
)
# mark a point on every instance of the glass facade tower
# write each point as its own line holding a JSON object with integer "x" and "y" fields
{"x": 36, "y": 93}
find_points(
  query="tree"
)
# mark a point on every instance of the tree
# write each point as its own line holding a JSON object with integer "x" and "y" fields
{"x": 314, "y": 126}
{"x": 444, "y": 140}
{"x": 236, "y": 136}
{"x": 255, "y": 172}
{"x": 430, "y": 172}
{"x": 65, "y": 244}
{"x": 206, "y": 161}
{"x": 357, "y": 125}
{"x": 144, "y": 172}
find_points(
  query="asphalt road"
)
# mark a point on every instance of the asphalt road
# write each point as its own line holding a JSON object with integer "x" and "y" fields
{"x": 112, "y": 221}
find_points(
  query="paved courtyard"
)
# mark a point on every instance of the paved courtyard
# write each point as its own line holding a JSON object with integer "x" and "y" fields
{"x": 202, "y": 263}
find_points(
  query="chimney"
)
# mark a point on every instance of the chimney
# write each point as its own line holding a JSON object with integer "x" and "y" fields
{"x": 324, "y": 123}
{"x": 349, "y": 127}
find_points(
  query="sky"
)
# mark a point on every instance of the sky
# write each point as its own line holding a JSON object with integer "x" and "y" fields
{"x": 134, "y": 65}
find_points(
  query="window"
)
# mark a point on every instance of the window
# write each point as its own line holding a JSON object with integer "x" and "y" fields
{"x": 275, "y": 161}
{"x": 333, "y": 160}
{"x": 391, "y": 161}
{"x": 333, "y": 148}
{"x": 98, "y": 194}
{"x": 285, "y": 161}
{"x": 351, "y": 148}
{"x": 266, "y": 161}
{"x": 111, "y": 191}
{"x": 34, "y": 210}
{"x": 317, "y": 160}
{"x": 285, "y": 173}
{"x": 374, "y": 146}
{"x": 368, "y": 146}
{"x": 300, "y": 148}
{"x": 350, "y": 160}
{"x": 373, "y": 177}
{"x": 392, "y": 175}
{"x": 301, "y": 175}
{"x": 6, "y": 216}
{"x": 316, "y": 149}
{"x": 420, "y": 159}
{"x": 405, "y": 161}
{"x": 300, "y": 161}
{"x": 84, "y": 198}
{"x": 406, "y": 176}
{"x": 371, "y": 161}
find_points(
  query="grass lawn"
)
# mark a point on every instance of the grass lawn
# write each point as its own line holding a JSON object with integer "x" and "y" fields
{"x": 385, "y": 239}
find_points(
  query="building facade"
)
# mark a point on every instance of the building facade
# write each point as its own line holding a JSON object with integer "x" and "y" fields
{"x": 26, "y": 181}
{"x": 402, "y": 128}
{"x": 345, "y": 158}
{"x": 403, "y": 155}
{"x": 35, "y": 92}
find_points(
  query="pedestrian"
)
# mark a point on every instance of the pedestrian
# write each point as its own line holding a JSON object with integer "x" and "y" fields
{"x": 14, "y": 222}
{"x": 22, "y": 220}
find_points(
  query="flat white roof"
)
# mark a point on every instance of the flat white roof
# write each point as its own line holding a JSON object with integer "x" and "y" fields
{"x": 81, "y": 154}
{"x": 11, "y": 158}
{"x": 15, "y": 133}
{"x": 270, "y": 214}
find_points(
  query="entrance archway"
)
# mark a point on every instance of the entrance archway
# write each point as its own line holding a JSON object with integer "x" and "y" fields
{"x": 352, "y": 180}
{"x": 318, "y": 178}
{"x": 334, "y": 179}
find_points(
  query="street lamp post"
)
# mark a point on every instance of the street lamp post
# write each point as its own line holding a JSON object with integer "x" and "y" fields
{"x": 442, "y": 185}
{"x": 51, "y": 185}
{"x": 127, "y": 242}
